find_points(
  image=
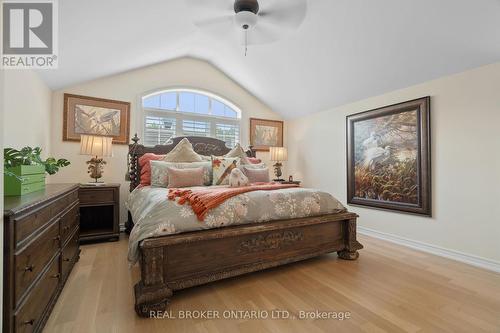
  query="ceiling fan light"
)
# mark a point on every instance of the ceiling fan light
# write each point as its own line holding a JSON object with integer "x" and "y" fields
{"x": 245, "y": 19}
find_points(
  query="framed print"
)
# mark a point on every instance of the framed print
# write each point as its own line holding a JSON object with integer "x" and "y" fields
{"x": 95, "y": 116}
{"x": 389, "y": 157}
{"x": 265, "y": 133}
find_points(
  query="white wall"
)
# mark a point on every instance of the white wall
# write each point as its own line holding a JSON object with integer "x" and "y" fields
{"x": 130, "y": 86}
{"x": 28, "y": 106}
{"x": 465, "y": 122}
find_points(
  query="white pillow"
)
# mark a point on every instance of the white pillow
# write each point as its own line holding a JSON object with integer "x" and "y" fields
{"x": 159, "y": 171}
{"x": 183, "y": 152}
{"x": 238, "y": 151}
{"x": 222, "y": 167}
{"x": 260, "y": 165}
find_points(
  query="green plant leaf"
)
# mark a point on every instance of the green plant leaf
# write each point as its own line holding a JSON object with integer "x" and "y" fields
{"x": 29, "y": 156}
{"x": 63, "y": 162}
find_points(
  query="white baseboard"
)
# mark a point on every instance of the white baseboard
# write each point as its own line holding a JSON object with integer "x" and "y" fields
{"x": 488, "y": 264}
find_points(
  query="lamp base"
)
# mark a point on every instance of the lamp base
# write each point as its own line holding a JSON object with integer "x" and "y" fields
{"x": 277, "y": 172}
{"x": 95, "y": 170}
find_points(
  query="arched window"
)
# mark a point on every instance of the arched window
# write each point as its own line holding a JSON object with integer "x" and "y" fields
{"x": 179, "y": 112}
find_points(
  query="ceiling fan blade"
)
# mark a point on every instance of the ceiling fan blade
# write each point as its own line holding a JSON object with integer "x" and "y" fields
{"x": 210, "y": 7}
{"x": 263, "y": 33}
{"x": 209, "y": 13}
{"x": 287, "y": 14}
{"x": 209, "y": 22}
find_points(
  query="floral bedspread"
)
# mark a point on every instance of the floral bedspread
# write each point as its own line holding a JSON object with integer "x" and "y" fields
{"x": 154, "y": 215}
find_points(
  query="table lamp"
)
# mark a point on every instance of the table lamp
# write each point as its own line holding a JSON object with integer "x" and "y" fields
{"x": 278, "y": 154}
{"x": 97, "y": 147}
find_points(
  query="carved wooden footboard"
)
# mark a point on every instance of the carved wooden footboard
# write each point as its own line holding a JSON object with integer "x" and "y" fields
{"x": 185, "y": 260}
{"x": 181, "y": 261}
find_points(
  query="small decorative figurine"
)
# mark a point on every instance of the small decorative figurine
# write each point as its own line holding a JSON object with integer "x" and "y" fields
{"x": 237, "y": 178}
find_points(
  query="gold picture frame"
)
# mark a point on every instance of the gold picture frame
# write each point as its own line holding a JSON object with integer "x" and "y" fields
{"x": 95, "y": 116}
{"x": 265, "y": 133}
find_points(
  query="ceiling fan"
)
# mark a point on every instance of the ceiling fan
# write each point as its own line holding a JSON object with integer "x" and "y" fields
{"x": 251, "y": 22}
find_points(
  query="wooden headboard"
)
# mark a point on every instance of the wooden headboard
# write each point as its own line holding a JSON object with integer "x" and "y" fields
{"x": 201, "y": 145}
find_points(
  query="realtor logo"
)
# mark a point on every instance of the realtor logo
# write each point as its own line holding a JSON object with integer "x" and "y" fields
{"x": 29, "y": 34}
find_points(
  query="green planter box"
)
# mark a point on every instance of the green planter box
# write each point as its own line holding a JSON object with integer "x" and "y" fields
{"x": 30, "y": 178}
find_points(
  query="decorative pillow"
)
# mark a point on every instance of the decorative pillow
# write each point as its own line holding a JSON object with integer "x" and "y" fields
{"x": 144, "y": 163}
{"x": 254, "y": 160}
{"x": 257, "y": 175}
{"x": 237, "y": 151}
{"x": 222, "y": 167}
{"x": 159, "y": 171}
{"x": 183, "y": 152}
{"x": 185, "y": 177}
{"x": 237, "y": 178}
{"x": 254, "y": 166}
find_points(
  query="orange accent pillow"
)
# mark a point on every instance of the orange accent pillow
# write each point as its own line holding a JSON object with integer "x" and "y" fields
{"x": 146, "y": 167}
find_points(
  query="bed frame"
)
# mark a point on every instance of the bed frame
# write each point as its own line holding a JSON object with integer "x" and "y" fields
{"x": 175, "y": 262}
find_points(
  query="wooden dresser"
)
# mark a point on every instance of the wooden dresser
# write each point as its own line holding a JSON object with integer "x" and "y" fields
{"x": 41, "y": 245}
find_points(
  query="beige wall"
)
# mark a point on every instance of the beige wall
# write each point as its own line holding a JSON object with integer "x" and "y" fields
{"x": 25, "y": 108}
{"x": 130, "y": 86}
{"x": 465, "y": 121}
{"x": 28, "y": 105}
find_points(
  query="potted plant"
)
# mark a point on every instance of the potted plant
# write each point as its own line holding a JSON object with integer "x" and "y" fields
{"x": 24, "y": 170}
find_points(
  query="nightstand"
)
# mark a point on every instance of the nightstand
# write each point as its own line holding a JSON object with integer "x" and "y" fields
{"x": 99, "y": 212}
{"x": 296, "y": 182}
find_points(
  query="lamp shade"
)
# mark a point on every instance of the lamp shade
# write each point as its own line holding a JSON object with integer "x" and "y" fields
{"x": 96, "y": 145}
{"x": 278, "y": 154}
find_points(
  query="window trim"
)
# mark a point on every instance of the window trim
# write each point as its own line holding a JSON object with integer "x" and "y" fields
{"x": 182, "y": 115}
{"x": 209, "y": 94}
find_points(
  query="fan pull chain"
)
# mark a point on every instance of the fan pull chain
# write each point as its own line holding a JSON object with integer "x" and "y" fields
{"x": 246, "y": 41}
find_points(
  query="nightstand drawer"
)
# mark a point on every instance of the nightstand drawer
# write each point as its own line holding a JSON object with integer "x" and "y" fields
{"x": 90, "y": 196}
{"x": 32, "y": 260}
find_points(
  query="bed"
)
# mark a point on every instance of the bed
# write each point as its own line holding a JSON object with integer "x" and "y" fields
{"x": 187, "y": 259}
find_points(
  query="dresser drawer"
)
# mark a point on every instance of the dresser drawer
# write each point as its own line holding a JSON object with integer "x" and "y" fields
{"x": 69, "y": 253}
{"x": 63, "y": 202}
{"x": 27, "y": 225}
{"x": 33, "y": 259}
{"x": 69, "y": 221}
{"x": 29, "y": 315}
{"x": 96, "y": 195}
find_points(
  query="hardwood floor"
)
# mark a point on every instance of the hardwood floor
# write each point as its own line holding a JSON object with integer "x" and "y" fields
{"x": 389, "y": 289}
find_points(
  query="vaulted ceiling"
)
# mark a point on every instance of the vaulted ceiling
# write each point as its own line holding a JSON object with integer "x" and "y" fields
{"x": 345, "y": 50}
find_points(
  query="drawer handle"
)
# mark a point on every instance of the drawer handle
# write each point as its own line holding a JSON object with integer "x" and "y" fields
{"x": 29, "y": 322}
{"x": 56, "y": 276}
{"x": 29, "y": 268}
{"x": 57, "y": 238}
{"x": 66, "y": 259}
